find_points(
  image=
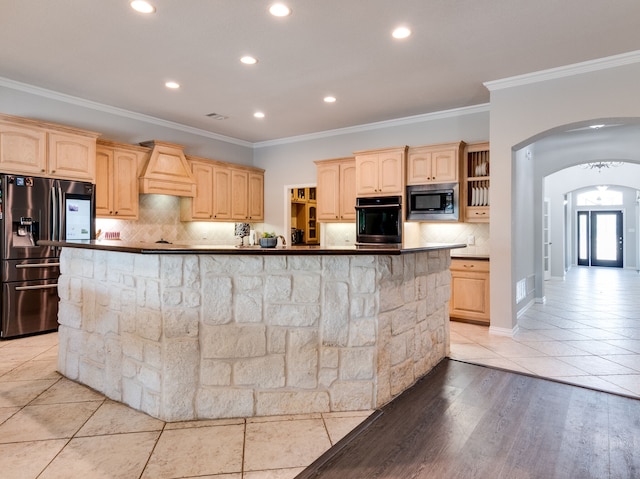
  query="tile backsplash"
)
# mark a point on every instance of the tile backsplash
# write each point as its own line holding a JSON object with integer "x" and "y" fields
{"x": 159, "y": 218}
{"x": 458, "y": 233}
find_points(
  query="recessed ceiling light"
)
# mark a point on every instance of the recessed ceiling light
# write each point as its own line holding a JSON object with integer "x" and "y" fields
{"x": 258, "y": 114}
{"x": 172, "y": 84}
{"x": 401, "y": 32}
{"x": 329, "y": 99}
{"x": 142, "y": 6}
{"x": 279, "y": 10}
{"x": 248, "y": 60}
{"x": 596, "y": 127}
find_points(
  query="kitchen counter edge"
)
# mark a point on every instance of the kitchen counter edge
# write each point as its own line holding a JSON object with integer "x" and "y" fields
{"x": 163, "y": 248}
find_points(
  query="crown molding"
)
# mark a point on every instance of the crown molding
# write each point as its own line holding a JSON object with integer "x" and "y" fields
{"x": 53, "y": 95}
{"x": 565, "y": 71}
{"x": 409, "y": 120}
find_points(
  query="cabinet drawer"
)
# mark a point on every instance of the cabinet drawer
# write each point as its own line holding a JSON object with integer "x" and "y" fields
{"x": 479, "y": 266}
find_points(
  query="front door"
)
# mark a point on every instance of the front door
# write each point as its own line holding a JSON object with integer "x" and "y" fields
{"x": 600, "y": 238}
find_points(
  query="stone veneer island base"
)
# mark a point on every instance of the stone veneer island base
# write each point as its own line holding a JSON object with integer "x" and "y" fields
{"x": 186, "y": 336}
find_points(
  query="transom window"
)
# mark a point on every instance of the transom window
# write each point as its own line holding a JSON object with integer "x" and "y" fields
{"x": 601, "y": 196}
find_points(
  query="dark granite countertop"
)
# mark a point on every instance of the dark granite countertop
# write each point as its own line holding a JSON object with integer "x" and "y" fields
{"x": 174, "y": 248}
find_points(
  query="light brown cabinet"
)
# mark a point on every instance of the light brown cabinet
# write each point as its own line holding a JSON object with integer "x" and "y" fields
{"x": 434, "y": 163}
{"x": 470, "y": 290}
{"x": 380, "y": 172}
{"x": 476, "y": 181}
{"x": 224, "y": 192}
{"x": 117, "y": 168}
{"x": 247, "y": 195}
{"x": 336, "y": 191}
{"x": 45, "y": 149}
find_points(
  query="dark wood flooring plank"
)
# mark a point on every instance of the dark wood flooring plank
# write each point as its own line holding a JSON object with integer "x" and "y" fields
{"x": 624, "y": 437}
{"x": 467, "y": 421}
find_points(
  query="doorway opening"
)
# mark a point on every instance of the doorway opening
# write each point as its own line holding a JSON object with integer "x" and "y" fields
{"x": 301, "y": 219}
{"x": 600, "y": 238}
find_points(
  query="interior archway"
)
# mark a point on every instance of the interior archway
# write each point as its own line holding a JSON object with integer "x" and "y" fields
{"x": 555, "y": 151}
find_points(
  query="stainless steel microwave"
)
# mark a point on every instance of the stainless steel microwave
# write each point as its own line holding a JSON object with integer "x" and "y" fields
{"x": 438, "y": 202}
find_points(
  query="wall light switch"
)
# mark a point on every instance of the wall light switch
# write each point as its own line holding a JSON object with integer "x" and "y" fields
{"x": 471, "y": 240}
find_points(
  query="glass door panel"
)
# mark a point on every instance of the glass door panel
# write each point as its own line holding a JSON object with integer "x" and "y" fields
{"x": 606, "y": 238}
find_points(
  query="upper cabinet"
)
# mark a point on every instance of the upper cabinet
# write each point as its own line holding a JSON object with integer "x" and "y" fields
{"x": 247, "y": 195}
{"x": 224, "y": 192}
{"x": 117, "y": 167}
{"x": 380, "y": 172}
{"x": 434, "y": 163}
{"x": 475, "y": 188}
{"x": 44, "y": 149}
{"x": 336, "y": 190}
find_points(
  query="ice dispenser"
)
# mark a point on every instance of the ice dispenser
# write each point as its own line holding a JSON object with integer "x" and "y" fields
{"x": 25, "y": 232}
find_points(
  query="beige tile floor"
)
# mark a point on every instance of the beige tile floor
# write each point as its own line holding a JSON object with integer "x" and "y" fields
{"x": 586, "y": 333}
{"x": 53, "y": 428}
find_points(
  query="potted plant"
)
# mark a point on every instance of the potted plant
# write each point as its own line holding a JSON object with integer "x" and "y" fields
{"x": 268, "y": 240}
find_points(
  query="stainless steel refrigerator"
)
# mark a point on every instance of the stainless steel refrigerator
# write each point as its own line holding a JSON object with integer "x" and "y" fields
{"x": 34, "y": 209}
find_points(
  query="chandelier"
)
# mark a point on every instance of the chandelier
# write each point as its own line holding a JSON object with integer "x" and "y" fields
{"x": 601, "y": 164}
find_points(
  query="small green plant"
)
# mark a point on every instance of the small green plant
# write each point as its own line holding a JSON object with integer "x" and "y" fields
{"x": 268, "y": 235}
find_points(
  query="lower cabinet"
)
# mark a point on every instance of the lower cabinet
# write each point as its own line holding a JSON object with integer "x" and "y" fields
{"x": 469, "y": 290}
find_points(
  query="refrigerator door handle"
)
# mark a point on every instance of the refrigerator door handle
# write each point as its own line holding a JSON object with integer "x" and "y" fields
{"x": 44, "y": 286}
{"x": 54, "y": 214}
{"x": 60, "y": 211}
{"x": 36, "y": 265}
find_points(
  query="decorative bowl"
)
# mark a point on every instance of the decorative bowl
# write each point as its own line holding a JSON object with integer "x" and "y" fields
{"x": 268, "y": 242}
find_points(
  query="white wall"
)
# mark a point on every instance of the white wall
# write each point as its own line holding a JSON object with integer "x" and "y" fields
{"x": 520, "y": 113}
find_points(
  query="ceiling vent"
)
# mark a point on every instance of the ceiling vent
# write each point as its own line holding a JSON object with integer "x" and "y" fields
{"x": 217, "y": 116}
{"x": 167, "y": 171}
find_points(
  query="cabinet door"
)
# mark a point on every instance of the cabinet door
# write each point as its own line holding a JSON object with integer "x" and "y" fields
{"x": 419, "y": 167}
{"x": 348, "y": 191}
{"x": 367, "y": 178}
{"x": 444, "y": 166}
{"x": 470, "y": 290}
{"x": 390, "y": 173}
{"x": 125, "y": 184}
{"x": 104, "y": 182}
{"x": 201, "y": 205}
{"x": 256, "y": 196}
{"x": 72, "y": 156}
{"x": 328, "y": 191}
{"x": 221, "y": 193}
{"x": 239, "y": 195}
{"x": 22, "y": 149}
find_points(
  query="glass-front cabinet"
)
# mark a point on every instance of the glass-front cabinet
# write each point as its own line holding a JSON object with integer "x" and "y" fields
{"x": 304, "y": 216}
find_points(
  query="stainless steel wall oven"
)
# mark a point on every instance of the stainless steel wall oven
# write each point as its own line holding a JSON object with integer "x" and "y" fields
{"x": 379, "y": 220}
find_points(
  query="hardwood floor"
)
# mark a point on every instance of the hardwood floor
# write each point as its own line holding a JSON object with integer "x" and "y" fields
{"x": 470, "y": 421}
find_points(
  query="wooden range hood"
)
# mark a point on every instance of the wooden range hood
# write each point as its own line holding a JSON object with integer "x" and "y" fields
{"x": 167, "y": 171}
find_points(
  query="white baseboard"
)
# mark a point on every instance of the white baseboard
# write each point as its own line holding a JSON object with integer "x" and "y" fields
{"x": 503, "y": 331}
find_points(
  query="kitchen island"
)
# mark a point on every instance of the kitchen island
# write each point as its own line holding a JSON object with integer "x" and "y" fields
{"x": 192, "y": 332}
